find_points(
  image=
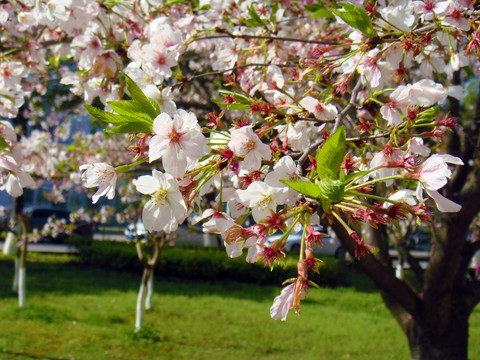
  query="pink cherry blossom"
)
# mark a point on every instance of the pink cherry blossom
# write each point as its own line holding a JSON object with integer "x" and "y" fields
{"x": 320, "y": 110}
{"x": 434, "y": 172}
{"x": 426, "y": 93}
{"x": 244, "y": 142}
{"x": 454, "y": 15}
{"x": 285, "y": 169}
{"x": 178, "y": 141}
{"x": 284, "y": 302}
{"x": 443, "y": 204}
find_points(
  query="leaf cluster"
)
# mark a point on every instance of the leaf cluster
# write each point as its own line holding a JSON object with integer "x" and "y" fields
{"x": 330, "y": 181}
{"x": 133, "y": 116}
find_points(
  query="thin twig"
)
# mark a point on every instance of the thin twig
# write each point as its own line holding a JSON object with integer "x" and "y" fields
{"x": 265, "y": 37}
{"x": 338, "y": 120}
{"x": 369, "y": 137}
{"x": 219, "y": 72}
{"x": 307, "y": 152}
{"x": 349, "y": 106}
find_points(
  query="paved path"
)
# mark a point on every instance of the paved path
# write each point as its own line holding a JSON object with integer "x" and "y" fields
{"x": 49, "y": 248}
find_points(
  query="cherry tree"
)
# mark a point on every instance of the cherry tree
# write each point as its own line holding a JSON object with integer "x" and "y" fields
{"x": 352, "y": 114}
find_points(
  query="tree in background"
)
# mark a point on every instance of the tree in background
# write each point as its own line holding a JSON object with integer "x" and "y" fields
{"x": 292, "y": 113}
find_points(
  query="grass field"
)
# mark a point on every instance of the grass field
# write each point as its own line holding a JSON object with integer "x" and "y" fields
{"x": 80, "y": 313}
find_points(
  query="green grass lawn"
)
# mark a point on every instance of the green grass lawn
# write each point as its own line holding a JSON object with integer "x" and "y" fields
{"x": 84, "y": 313}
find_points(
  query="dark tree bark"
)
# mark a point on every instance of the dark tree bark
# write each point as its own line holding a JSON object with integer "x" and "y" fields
{"x": 435, "y": 316}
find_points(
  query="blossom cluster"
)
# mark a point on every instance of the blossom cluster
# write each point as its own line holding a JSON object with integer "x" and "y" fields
{"x": 284, "y": 114}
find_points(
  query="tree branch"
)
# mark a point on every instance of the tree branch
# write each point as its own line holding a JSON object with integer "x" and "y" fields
{"x": 351, "y": 104}
{"x": 382, "y": 275}
{"x": 229, "y": 35}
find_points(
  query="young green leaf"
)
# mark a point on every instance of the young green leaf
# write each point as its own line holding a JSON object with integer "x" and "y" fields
{"x": 105, "y": 116}
{"x": 326, "y": 205}
{"x": 254, "y": 19}
{"x": 321, "y": 12}
{"x": 303, "y": 187}
{"x": 330, "y": 189}
{"x": 356, "y": 17}
{"x": 130, "y": 108}
{"x": 131, "y": 127}
{"x": 123, "y": 123}
{"x": 331, "y": 154}
{"x": 140, "y": 98}
{"x": 3, "y": 145}
{"x": 238, "y": 97}
{"x": 155, "y": 106}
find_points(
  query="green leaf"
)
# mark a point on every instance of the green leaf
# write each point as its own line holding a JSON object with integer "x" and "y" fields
{"x": 140, "y": 98}
{"x": 321, "y": 12}
{"x": 130, "y": 127}
{"x": 124, "y": 123}
{"x": 3, "y": 145}
{"x": 129, "y": 108}
{"x": 155, "y": 105}
{"x": 326, "y": 205}
{"x": 254, "y": 19}
{"x": 236, "y": 106}
{"x": 303, "y": 187}
{"x": 330, "y": 189}
{"x": 238, "y": 97}
{"x": 331, "y": 154}
{"x": 428, "y": 114}
{"x": 105, "y": 116}
{"x": 356, "y": 17}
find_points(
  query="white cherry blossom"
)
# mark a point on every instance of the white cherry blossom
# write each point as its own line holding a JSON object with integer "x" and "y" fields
{"x": 434, "y": 172}
{"x": 261, "y": 198}
{"x": 320, "y": 110}
{"x": 285, "y": 169}
{"x": 244, "y": 142}
{"x": 102, "y": 175}
{"x": 166, "y": 208}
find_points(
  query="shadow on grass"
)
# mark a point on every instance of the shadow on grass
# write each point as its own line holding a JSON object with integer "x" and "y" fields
{"x": 25, "y": 356}
{"x": 70, "y": 278}
{"x": 63, "y": 275}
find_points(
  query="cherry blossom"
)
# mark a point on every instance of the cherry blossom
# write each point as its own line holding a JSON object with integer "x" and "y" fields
{"x": 283, "y": 303}
{"x": 434, "y": 172}
{"x": 285, "y": 169}
{"x": 271, "y": 83}
{"x": 102, "y": 175}
{"x": 245, "y": 143}
{"x": 261, "y": 198}
{"x": 321, "y": 111}
{"x": 454, "y": 15}
{"x": 166, "y": 208}
{"x": 178, "y": 141}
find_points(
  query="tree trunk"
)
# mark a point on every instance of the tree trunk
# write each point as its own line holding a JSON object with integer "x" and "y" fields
{"x": 15, "y": 276}
{"x": 148, "y": 300}
{"x": 22, "y": 273}
{"x": 452, "y": 344}
{"x": 22, "y": 286}
{"x": 142, "y": 294}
